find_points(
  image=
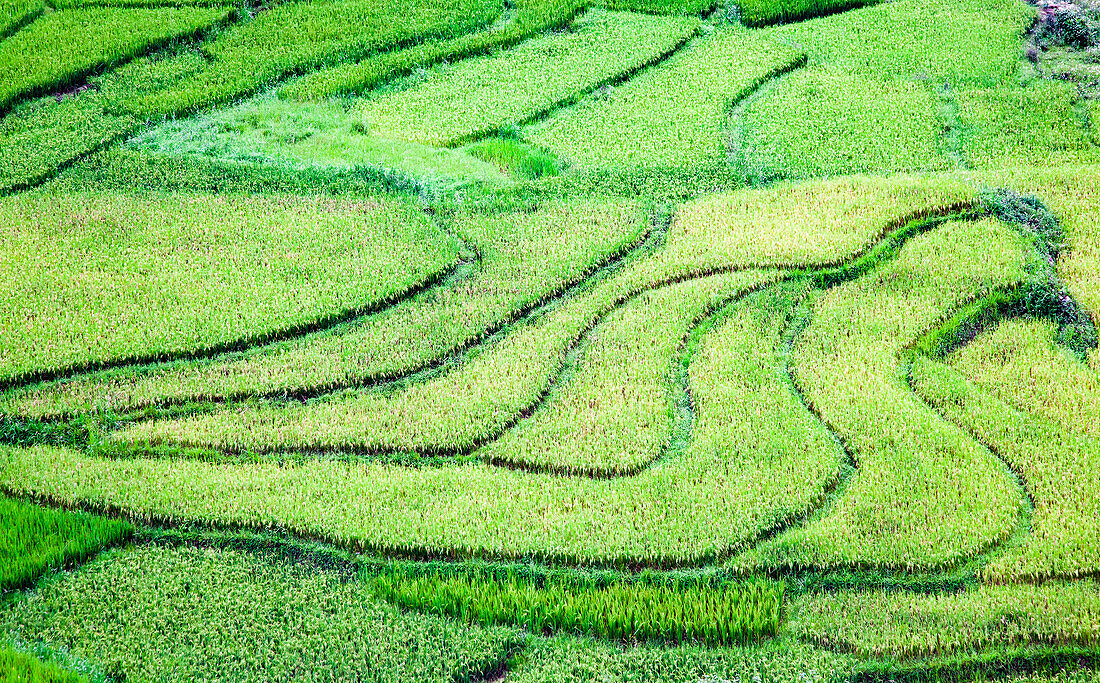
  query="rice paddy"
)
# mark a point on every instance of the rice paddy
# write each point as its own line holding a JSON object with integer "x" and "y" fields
{"x": 549, "y": 341}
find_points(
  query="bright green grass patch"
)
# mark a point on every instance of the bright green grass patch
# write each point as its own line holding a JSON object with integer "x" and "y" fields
{"x": 580, "y": 660}
{"x": 315, "y": 135}
{"x": 1092, "y": 107}
{"x": 16, "y": 667}
{"x": 902, "y": 624}
{"x": 683, "y": 611}
{"x": 39, "y": 137}
{"x": 480, "y": 96}
{"x": 697, "y": 503}
{"x": 924, "y": 494}
{"x": 1058, "y": 469}
{"x": 1019, "y": 363}
{"x": 16, "y": 13}
{"x": 961, "y": 42}
{"x": 183, "y": 614}
{"x": 35, "y": 540}
{"x": 762, "y": 12}
{"x": 1039, "y": 125}
{"x": 530, "y": 17}
{"x": 672, "y": 114}
{"x": 824, "y": 122}
{"x": 513, "y": 155}
{"x": 63, "y": 47}
{"x": 183, "y": 273}
{"x": 288, "y": 39}
{"x": 526, "y": 257}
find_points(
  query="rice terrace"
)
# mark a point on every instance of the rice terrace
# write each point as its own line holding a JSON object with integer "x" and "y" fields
{"x": 550, "y": 341}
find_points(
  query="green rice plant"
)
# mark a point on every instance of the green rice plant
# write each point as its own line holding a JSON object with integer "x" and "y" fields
{"x": 515, "y": 156}
{"x": 1057, "y": 466}
{"x": 226, "y": 270}
{"x": 181, "y": 614}
{"x": 525, "y": 258}
{"x": 14, "y": 14}
{"x": 763, "y": 12}
{"x": 661, "y": 6}
{"x": 568, "y": 659}
{"x": 17, "y": 667}
{"x": 672, "y": 114}
{"x": 453, "y": 105}
{"x": 904, "y": 625}
{"x": 311, "y": 135}
{"x": 42, "y": 136}
{"x": 1019, "y": 362}
{"x": 1016, "y": 126}
{"x": 288, "y": 39}
{"x": 479, "y": 399}
{"x": 80, "y": 4}
{"x": 686, "y": 611}
{"x": 36, "y": 540}
{"x": 64, "y": 47}
{"x": 959, "y": 42}
{"x": 925, "y": 494}
{"x": 826, "y": 122}
{"x": 530, "y": 18}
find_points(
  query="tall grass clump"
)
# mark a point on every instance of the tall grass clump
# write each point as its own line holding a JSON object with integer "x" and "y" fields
{"x": 16, "y": 667}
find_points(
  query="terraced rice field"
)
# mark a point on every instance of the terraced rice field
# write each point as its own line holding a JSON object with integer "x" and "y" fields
{"x": 550, "y": 341}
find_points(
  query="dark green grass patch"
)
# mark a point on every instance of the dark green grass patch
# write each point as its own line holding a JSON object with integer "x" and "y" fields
{"x": 662, "y": 6}
{"x": 61, "y": 48}
{"x": 35, "y": 539}
{"x": 763, "y": 12}
{"x": 16, "y": 667}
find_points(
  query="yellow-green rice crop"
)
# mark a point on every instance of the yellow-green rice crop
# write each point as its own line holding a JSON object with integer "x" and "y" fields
{"x": 63, "y": 47}
{"x": 1057, "y": 467}
{"x": 476, "y": 401}
{"x": 185, "y": 614}
{"x": 697, "y": 503}
{"x": 485, "y": 94}
{"x": 671, "y": 115}
{"x": 525, "y": 258}
{"x": 925, "y": 494}
{"x": 1019, "y": 363}
{"x": 902, "y": 624}
{"x": 183, "y": 273}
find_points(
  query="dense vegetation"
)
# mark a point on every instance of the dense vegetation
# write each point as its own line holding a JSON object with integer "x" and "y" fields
{"x": 550, "y": 341}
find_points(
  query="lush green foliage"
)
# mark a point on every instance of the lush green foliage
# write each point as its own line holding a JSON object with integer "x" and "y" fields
{"x": 901, "y": 624}
{"x": 63, "y": 47}
{"x": 227, "y": 269}
{"x": 16, "y": 13}
{"x": 16, "y": 667}
{"x": 531, "y": 17}
{"x": 186, "y": 613}
{"x": 1058, "y": 469}
{"x": 680, "y": 612}
{"x": 36, "y": 539}
{"x": 287, "y": 39}
{"x": 924, "y": 495}
{"x": 525, "y": 258}
{"x": 670, "y": 115}
{"x": 452, "y": 105}
{"x": 661, "y": 6}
